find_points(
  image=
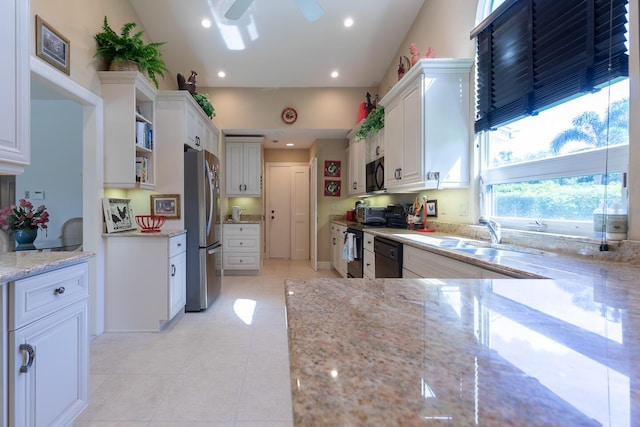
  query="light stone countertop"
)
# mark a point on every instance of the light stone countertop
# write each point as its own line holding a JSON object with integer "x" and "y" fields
{"x": 17, "y": 265}
{"x": 137, "y": 233}
{"x": 537, "y": 264}
{"x": 426, "y": 352}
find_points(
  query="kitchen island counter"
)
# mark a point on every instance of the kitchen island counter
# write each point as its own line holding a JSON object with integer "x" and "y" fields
{"x": 416, "y": 352}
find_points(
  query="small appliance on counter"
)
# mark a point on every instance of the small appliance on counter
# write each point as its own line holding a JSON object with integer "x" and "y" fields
{"x": 397, "y": 215}
{"x": 371, "y": 215}
{"x": 235, "y": 213}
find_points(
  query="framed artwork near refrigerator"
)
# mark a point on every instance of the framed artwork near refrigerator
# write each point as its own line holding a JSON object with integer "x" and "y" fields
{"x": 166, "y": 204}
{"x": 118, "y": 215}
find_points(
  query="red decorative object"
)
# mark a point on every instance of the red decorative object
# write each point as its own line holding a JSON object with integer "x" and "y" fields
{"x": 332, "y": 188}
{"x": 289, "y": 115}
{"x": 362, "y": 112}
{"x": 150, "y": 223}
{"x": 332, "y": 168}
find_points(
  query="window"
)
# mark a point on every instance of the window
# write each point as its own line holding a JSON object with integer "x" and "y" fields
{"x": 547, "y": 167}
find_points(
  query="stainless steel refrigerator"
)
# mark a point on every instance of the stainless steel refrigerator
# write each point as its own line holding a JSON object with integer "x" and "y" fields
{"x": 204, "y": 228}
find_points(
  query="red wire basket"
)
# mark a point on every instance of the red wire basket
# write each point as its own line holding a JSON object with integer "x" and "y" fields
{"x": 150, "y": 223}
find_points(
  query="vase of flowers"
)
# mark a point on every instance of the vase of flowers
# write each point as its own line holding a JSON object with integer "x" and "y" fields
{"x": 23, "y": 221}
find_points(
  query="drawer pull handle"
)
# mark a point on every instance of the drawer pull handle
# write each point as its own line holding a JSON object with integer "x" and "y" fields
{"x": 31, "y": 355}
{"x": 59, "y": 290}
{"x": 179, "y": 244}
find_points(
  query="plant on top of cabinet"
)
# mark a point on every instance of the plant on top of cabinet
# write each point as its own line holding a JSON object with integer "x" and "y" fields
{"x": 120, "y": 49}
{"x": 203, "y": 101}
{"x": 372, "y": 124}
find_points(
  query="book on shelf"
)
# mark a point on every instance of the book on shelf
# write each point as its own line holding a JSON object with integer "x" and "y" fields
{"x": 138, "y": 169}
{"x": 144, "y": 135}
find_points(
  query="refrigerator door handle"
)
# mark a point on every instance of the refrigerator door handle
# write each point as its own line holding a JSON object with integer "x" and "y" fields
{"x": 214, "y": 250}
{"x": 210, "y": 185}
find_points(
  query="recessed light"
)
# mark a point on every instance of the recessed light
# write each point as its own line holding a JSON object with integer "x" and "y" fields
{"x": 334, "y": 74}
{"x": 348, "y": 22}
{"x": 290, "y": 144}
{"x": 205, "y": 23}
{"x": 222, "y": 74}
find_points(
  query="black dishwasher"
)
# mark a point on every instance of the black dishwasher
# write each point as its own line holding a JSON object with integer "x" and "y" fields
{"x": 388, "y": 257}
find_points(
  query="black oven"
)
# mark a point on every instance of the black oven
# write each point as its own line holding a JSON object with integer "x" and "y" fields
{"x": 375, "y": 175}
{"x": 355, "y": 266}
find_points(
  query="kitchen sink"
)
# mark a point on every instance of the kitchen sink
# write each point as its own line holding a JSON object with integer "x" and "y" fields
{"x": 492, "y": 252}
{"x": 472, "y": 247}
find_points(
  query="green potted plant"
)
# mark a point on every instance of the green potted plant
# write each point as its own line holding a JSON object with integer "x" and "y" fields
{"x": 126, "y": 48}
{"x": 372, "y": 124}
{"x": 203, "y": 100}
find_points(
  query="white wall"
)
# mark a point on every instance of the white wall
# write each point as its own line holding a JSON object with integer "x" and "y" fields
{"x": 56, "y": 162}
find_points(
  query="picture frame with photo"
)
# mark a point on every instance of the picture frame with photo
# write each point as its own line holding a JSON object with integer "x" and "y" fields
{"x": 166, "y": 204}
{"x": 52, "y": 46}
{"x": 432, "y": 208}
{"x": 118, "y": 215}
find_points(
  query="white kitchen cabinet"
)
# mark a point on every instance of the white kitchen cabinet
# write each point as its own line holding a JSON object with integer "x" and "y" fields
{"x": 357, "y": 178}
{"x": 177, "y": 274}
{"x": 374, "y": 146}
{"x": 15, "y": 88}
{"x": 145, "y": 279}
{"x": 241, "y": 247}
{"x": 129, "y": 129}
{"x": 369, "y": 258}
{"x": 426, "y": 264}
{"x": 337, "y": 248}
{"x": 243, "y": 166}
{"x": 427, "y": 127}
{"x": 181, "y": 121}
{"x": 48, "y": 347}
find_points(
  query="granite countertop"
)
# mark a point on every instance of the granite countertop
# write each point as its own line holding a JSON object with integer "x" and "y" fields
{"x": 137, "y": 233}
{"x": 535, "y": 264}
{"x": 416, "y": 352}
{"x": 16, "y": 265}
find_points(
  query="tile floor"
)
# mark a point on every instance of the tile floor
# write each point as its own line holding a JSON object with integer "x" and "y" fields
{"x": 225, "y": 367}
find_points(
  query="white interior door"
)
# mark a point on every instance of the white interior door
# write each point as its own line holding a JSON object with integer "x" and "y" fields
{"x": 300, "y": 212}
{"x": 279, "y": 211}
{"x": 313, "y": 213}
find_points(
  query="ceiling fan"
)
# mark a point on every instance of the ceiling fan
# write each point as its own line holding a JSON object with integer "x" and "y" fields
{"x": 309, "y": 8}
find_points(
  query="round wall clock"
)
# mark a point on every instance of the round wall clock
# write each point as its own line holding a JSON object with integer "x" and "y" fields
{"x": 289, "y": 115}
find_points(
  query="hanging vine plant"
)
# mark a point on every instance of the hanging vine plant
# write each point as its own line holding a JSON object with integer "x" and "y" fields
{"x": 372, "y": 124}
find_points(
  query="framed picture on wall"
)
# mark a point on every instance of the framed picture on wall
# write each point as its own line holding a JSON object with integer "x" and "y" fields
{"x": 118, "y": 215}
{"x": 166, "y": 204}
{"x": 332, "y": 188}
{"x": 432, "y": 208}
{"x": 52, "y": 46}
{"x": 332, "y": 168}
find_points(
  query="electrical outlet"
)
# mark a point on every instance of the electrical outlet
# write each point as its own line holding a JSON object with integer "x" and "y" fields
{"x": 463, "y": 209}
{"x": 334, "y": 207}
{"x": 27, "y": 194}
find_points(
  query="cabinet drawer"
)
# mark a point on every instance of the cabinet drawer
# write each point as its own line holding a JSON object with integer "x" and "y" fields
{"x": 232, "y": 261}
{"x": 369, "y": 267}
{"x": 241, "y": 244}
{"x": 242, "y": 229}
{"x": 37, "y": 296}
{"x": 177, "y": 244}
{"x": 367, "y": 244}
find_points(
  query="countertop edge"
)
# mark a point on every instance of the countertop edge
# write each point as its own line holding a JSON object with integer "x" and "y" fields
{"x": 17, "y": 265}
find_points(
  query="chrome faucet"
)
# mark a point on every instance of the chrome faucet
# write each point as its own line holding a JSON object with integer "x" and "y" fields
{"x": 494, "y": 229}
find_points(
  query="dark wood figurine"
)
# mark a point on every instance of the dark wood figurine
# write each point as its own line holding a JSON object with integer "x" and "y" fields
{"x": 187, "y": 84}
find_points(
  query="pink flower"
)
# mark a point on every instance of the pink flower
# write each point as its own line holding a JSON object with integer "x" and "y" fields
{"x": 23, "y": 217}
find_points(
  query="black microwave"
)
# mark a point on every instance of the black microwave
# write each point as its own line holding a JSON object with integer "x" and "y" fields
{"x": 375, "y": 175}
